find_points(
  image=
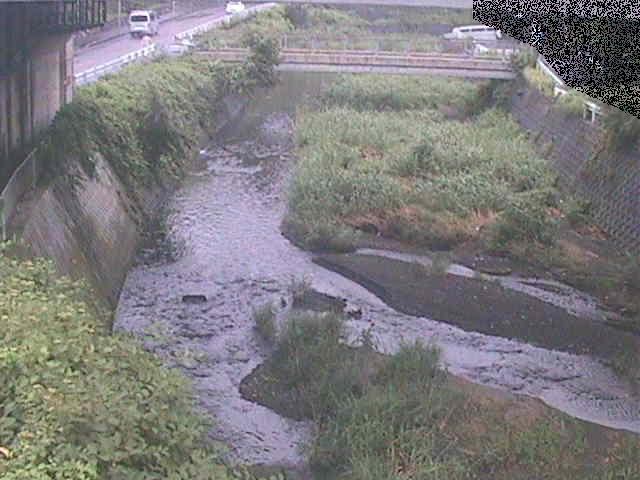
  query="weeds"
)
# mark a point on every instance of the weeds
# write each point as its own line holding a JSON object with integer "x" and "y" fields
{"x": 314, "y": 364}
{"x": 265, "y": 320}
{"x": 399, "y": 416}
{"x": 422, "y": 177}
{"x": 539, "y": 80}
{"x": 571, "y": 104}
{"x": 440, "y": 262}
{"x": 77, "y": 402}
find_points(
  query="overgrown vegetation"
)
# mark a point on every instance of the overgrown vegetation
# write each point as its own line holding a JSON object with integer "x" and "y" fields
{"x": 622, "y": 131}
{"x": 402, "y": 417}
{"x": 386, "y": 154}
{"x": 79, "y": 403}
{"x": 268, "y": 25}
{"x": 147, "y": 120}
{"x": 572, "y": 104}
{"x": 299, "y": 26}
{"x": 265, "y": 318}
{"x": 539, "y": 80}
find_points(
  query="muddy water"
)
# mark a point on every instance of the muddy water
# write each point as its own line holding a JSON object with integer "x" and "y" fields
{"x": 222, "y": 240}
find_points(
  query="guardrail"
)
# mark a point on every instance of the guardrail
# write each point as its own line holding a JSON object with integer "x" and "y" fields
{"x": 226, "y": 20}
{"x": 591, "y": 109}
{"x": 94, "y": 73}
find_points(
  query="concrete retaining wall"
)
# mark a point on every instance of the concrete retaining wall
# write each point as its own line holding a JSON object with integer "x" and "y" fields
{"x": 610, "y": 182}
{"x": 91, "y": 227}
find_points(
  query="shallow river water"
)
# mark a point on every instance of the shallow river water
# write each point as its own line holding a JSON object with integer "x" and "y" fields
{"x": 222, "y": 239}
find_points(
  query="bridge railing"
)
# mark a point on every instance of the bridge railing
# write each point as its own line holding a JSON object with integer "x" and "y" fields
{"x": 591, "y": 109}
{"x": 92, "y": 74}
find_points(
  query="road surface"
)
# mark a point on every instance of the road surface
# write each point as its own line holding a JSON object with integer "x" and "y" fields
{"x": 90, "y": 57}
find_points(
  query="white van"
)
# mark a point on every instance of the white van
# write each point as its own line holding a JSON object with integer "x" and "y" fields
{"x": 475, "y": 32}
{"x": 143, "y": 22}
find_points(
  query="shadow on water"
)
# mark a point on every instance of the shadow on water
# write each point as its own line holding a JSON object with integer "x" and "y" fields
{"x": 227, "y": 252}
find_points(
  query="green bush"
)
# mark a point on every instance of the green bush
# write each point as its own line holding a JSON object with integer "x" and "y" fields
{"x": 571, "y": 104}
{"x": 78, "y": 403}
{"x": 268, "y": 25}
{"x": 622, "y": 130}
{"x": 265, "y": 318}
{"x": 313, "y": 363}
{"x": 525, "y": 219}
{"x": 539, "y": 80}
{"x": 525, "y": 58}
{"x": 578, "y": 211}
{"x": 367, "y": 154}
{"x": 369, "y": 92}
{"x": 145, "y": 121}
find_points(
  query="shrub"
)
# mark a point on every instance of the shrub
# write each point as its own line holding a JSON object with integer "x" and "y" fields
{"x": 539, "y": 80}
{"x": 578, "y": 211}
{"x": 621, "y": 130}
{"x": 571, "y": 104}
{"x": 313, "y": 363}
{"x": 78, "y": 403}
{"x": 370, "y": 92}
{"x": 525, "y": 58}
{"x": 145, "y": 121}
{"x": 525, "y": 219}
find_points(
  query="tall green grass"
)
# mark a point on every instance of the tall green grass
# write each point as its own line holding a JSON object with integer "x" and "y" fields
{"x": 401, "y": 417}
{"x": 383, "y": 150}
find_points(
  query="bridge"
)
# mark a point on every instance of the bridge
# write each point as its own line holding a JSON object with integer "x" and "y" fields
{"x": 358, "y": 61}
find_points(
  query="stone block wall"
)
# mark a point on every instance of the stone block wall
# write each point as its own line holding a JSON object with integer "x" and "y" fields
{"x": 573, "y": 146}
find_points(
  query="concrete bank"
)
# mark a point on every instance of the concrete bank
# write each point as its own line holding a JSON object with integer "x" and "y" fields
{"x": 90, "y": 226}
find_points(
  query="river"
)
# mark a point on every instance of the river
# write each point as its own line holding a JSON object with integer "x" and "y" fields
{"x": 221, "y": 238}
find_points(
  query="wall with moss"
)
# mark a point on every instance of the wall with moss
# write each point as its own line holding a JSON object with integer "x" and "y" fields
{"x": 609, "y": 181}
{"x": 113, "y": 154}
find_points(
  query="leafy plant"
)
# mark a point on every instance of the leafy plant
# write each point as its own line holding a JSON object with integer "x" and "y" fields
{"x": 79, "y": 403}
{"x": 265, "y": 319}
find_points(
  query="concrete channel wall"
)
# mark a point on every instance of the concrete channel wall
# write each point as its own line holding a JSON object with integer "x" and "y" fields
{"x": 90, "y": 226}
{"x": 611, "y": 182}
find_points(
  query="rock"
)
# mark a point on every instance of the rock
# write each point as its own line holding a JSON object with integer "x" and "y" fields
{"x": 353, "y": 312}
{"x": 194, "y": 298}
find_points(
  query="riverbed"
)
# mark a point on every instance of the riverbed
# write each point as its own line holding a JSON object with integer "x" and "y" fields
{"x": 219, "y": 240}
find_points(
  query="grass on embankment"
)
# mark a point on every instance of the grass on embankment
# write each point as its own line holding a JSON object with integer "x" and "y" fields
{"x": 394, "y": 29}
{"x": 382, "y": 152}
{"x": 402, "y": 416}
{"x": 420, "y": 160}
{"x": 79, "y": 403}
{"x": 147, "y": 121}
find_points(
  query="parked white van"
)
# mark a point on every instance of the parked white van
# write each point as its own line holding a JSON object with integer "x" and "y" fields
{"x": 475, "y": 32}
{"x": 143, "y": 22}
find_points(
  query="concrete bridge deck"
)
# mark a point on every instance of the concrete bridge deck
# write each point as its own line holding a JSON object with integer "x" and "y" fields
{"x": 380, "y": 62}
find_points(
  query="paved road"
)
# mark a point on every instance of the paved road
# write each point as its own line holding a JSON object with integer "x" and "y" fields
{"x": 87, "y": 58}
